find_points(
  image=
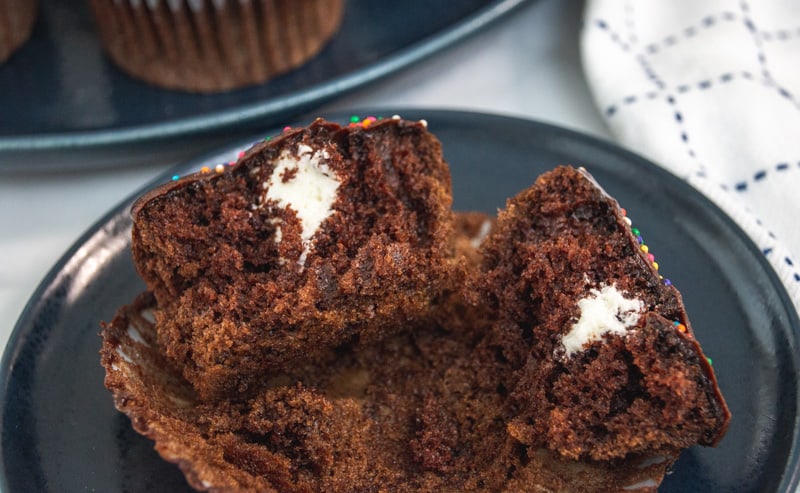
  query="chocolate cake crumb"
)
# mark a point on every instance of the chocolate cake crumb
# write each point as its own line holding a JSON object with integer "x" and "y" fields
{"x": 288, "y": 251}
{"x": 561, "y": 252}
{"x": 420, "y": 410}
{"x": 372, "y": 340}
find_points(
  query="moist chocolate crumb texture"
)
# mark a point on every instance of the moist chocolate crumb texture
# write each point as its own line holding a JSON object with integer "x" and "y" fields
{"x": 323, "y": 235}
{"x": 356, "y": 335}
{"x": 612, "y": 367}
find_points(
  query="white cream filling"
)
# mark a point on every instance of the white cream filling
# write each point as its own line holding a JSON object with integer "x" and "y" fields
{"x": 647, "y": 483}
{"x": 651, "y": 461}
{"x": 124, "y": 355}
{"x": 149, "y": 316}
{"x": 310, "y": 192}
{"x": 603, "y": 311}
{"x": 180, "y": 402}
{"x": 486, "y": 228}
{"x": 136, "y": 336}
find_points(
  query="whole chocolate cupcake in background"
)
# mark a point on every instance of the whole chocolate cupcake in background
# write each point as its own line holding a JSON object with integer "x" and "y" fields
{"x": 213, "y": 45}
{"x": 16, "y": 24}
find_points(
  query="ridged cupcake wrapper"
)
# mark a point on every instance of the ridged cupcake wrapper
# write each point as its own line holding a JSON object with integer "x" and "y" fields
{"x": 16, "y": 23}
{"x": 213, "y": 45}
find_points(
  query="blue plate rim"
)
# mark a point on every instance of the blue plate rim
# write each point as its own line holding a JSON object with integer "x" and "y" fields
{"x": 251, "y": 112}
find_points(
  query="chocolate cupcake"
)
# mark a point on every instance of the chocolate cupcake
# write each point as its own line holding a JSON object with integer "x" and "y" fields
{"x": 16, "y": 24}
{"x": 213, "y": 45}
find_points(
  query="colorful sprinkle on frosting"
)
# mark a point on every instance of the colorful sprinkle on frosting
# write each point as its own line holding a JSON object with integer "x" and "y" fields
{"x": 652, "y": 259}
{"x": 354, "y": 121}
{"x": 642, "y": 246}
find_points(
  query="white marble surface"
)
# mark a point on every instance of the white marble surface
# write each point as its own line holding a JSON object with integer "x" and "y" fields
{"x": 526, "y": 64}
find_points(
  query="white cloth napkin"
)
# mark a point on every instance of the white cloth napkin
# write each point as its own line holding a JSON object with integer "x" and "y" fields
{"x": 709, "y": 90}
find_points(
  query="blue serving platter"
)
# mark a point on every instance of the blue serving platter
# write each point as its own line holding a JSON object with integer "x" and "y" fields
{"x": 60, "y": 96}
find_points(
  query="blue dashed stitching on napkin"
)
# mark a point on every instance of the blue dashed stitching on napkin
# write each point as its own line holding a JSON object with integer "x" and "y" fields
{"x": 761, "y": 175}
{"x": 629, "y": 26}
{"x": 751, "y": 27}
{"x": 690, "y": 31}
{"x": 758, "y": 38}
{"x": 702, "y": 85}
{"x": 649, "y": 72}
{"x": 762, "y": 57}
{"x": 787, "y": 260}
{"x": 678, "y": 116}
{"x": 681, "y": 89}
{"x": 613, "y": 35}
{"x": 780, "y": 34}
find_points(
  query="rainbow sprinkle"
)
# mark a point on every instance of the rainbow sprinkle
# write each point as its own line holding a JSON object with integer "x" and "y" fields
{"x": 650, "y": 257}
{"x": 354, "y": 121}
{"x": 642, "y": 246}
{"x": 681, "y": 328}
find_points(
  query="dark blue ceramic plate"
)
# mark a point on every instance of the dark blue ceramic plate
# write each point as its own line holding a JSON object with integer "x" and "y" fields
{"x": 60, "y": 432}
{"x": 59, "y": 93}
